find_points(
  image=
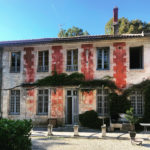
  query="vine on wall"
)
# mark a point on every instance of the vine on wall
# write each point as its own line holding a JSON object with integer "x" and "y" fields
{"x": 78, "y": 79}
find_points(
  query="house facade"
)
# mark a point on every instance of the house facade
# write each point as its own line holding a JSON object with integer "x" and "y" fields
{"x": 123, "y": 57}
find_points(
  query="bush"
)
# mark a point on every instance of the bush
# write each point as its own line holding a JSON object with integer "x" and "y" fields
{"x": 90, "y": 119}
{"x": 118, "y": 104}
{"x": 15, "y": 135}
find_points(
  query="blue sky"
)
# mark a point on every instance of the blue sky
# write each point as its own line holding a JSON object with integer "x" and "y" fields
{"x": 30, "y": 19}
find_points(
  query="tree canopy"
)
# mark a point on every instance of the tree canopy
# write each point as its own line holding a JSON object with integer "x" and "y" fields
{"x": 126, "y": 26}
{"x": 74, "y": 31}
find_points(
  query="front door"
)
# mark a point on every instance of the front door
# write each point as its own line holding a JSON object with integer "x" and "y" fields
{"x": 72, "y": 107}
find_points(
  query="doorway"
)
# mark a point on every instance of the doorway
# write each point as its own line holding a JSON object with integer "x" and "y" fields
{"x": 72, "y": 107}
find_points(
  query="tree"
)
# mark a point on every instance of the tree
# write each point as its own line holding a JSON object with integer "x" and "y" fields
{"x": 126, "y": 26}
{"x": 74, "y": 31}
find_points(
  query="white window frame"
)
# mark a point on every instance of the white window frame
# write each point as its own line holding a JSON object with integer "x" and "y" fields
{"x": 13, "y": 102}
{"x": 72, "y": 67}
{"x": 102, "y": 49}
{"x": 103, "y": 107}
{"x": 135, "y": 103}
{"x": 43, "y": 102}
{"x": 43, "y": 68}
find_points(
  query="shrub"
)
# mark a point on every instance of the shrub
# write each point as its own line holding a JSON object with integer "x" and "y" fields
{"x": 15, "y": 134}
{"x": 118, "y": 104}
{"x": 90, "y": 119}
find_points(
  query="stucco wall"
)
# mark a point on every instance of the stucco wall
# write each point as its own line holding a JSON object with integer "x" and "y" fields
{"x": 119, "y": 69}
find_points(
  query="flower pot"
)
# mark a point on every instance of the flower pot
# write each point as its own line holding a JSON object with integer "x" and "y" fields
{"x": 132, "y": 134}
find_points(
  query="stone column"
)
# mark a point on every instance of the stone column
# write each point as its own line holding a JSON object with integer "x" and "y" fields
{"x": 76, "y": 128}
{"x": 50, "y": 128}
{"x": 103, "y": 128}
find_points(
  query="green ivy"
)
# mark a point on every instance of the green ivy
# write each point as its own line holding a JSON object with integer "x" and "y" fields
{"x": 74, "y": 79}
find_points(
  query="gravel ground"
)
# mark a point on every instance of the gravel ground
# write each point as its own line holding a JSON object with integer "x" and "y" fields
{"x": 57, "y": 143}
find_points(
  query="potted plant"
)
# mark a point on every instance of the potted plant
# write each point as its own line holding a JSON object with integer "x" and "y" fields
{"x": 132, "y": 120}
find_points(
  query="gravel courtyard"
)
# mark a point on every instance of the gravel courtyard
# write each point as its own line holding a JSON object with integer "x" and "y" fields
{"x": 59, "y": 143}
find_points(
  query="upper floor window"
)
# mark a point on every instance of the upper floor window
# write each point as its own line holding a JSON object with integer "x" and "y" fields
{"x": 42, "y": 102}
{"x": 103, "y": 58}
{"x": 15, "y": 62}
{"x": 137, "y": 102}
{"x": 136, "y": 57}
{"x": 15, "y": 102}
{"x": 43, "y": 61}
{"x": 102, "y": 101}
{"x": 72, "y": 60}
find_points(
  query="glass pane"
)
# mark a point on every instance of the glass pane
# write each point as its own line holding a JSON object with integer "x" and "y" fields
{"x": 40, "y": 59}
{"x": 46, "y": 92}
{"x": 99, "y": 91}
{"x": 75, "y": 92}
{"x": 40, "y": 91}
{"x": 68, "y": 57}
{"x": 99, "y": 61}
{"x": 75, "y": 57}
{"x": 68, "y": 92}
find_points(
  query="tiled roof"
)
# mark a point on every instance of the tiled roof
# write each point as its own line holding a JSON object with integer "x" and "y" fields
{"x": 70, "y": 39}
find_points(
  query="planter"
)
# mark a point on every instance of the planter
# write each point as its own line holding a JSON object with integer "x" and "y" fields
{"x": 132, "y": 134}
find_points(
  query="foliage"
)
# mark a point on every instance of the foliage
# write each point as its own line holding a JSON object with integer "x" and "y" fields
{"x": 144, "y": 87}
{"x": 15, "y": 135}
{"x": 74, "y": 79}
{"x": 74, "y": 31}
{"x": 146, "y": 117}
{"x": 131, "y": 118}
{"x": 92, "y": 84}
{"x": 118, "y": 104}
{"x": 126, "y": 26}
{"x": 61, "y": 79}
{"x": 90, "y": 119}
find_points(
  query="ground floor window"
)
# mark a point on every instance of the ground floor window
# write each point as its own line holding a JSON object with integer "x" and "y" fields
{"x": 15, "y": 102}
{"x": 137, "y": 102}
{"x": 42, "y": 102}
{"x": 102, "y": 101}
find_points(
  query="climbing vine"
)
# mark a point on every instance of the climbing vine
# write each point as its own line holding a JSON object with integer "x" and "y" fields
{"x": 118, "y": 103}
{"x": 74, "y": 79}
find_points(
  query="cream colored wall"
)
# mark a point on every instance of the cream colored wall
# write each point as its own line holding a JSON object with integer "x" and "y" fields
{"x": 13, "y": 79}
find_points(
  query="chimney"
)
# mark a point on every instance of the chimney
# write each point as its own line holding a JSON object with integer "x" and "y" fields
{"x": 115, "y": 21}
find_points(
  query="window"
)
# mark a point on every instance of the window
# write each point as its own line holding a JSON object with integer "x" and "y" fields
{"x": 136, "y": 58}
{"x": 15, "y": 62}
{"x": 72, "y": 60}
{"x": 137, "y": 102}
{"x": 43, "y": 102}
{"x": 102, "y": 101}
{"x": 15, "y": 102}
{"x": 103, "y": 58}
{"x": 43, "y": 61}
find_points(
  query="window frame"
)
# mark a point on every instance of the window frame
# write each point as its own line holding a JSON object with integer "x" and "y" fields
{"x": 102, "y": 49}
{"x": 15, "y": 70}
{"x": 103, "y": 95}
{"x": 43, "y": 67}
{"x": 142, "y": 47}
{"x": 73, "y": 67}
{"x": 43, "y": 106}
{"x": 14, "y": 112}
{"x": 135, "y": 94}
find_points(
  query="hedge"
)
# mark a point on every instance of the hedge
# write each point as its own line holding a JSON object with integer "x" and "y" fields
{"x": 15, "y": 134}
{"x": 90, "y": 119}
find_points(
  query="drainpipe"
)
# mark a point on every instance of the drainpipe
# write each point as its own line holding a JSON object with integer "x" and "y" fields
{"x": 1, "y": 73}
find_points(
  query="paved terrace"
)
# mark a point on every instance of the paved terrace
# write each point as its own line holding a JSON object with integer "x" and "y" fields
{"x": 88, "y": 140}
